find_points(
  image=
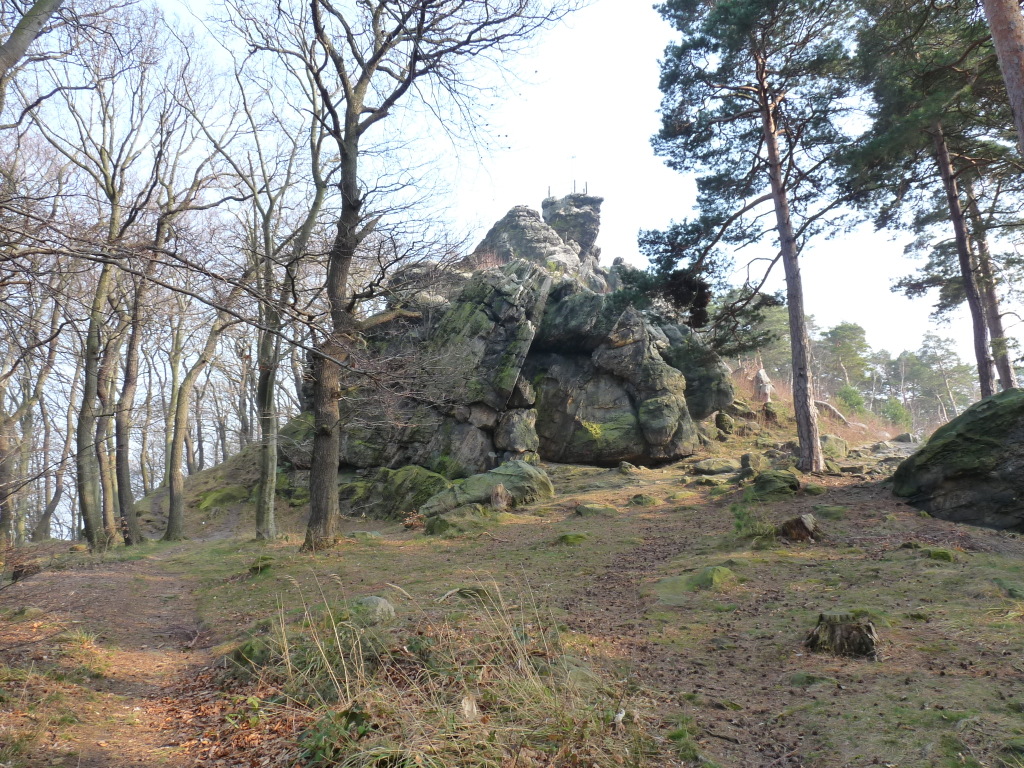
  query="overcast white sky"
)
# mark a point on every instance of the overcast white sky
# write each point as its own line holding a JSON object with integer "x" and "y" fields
{"x": 585, "y": 117}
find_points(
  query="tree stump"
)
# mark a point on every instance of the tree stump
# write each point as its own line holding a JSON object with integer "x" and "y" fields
{"x": 21, "y": 571}
{"x": 803, "y": 528}
{"x": 843, "y": 634}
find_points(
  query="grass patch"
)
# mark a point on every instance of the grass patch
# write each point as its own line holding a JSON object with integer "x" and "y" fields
{"x": 486, "y": 683}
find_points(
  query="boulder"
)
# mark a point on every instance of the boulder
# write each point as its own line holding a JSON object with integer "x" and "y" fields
{"x": 726, "y": 424}
{"x": 522, "y": 235}
{"x": 576, "y": 219}
{"x": 716, "y": 466}
{"x": 374, "y": 610}
{"x": 462, "y": 519}
{"x": 523, "y": 482}
{"x": 834, "y": 447}
{"x": 517, "y": 431}
{"x": 391, "y": 494}
{"x": 972, "y": 469}
{"x": 755, "y": 462}
{"x": 775, "y": 484}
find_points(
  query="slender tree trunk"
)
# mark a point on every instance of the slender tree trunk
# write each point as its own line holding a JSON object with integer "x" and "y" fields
{"x": 200, "y": 447}
{"x": 145, "y": 470}
{"x": 222, "y": 439}
{"x": 244, "y": 422}
{"x": 86, "y": 464}
{"x": 1007, "y": 27}
{"x": 104, "y": 425}
{"x": 268, "y": 355}
{"x": 190, "y": 451}
{"x": 176, "y": 504}
{"x": 174, "y": 360}
{"x": 42, "y": 529}
{"x": 811, "y": 459}
{"x": 8, "y": 482}
{"x": 998, "y": 340}
{"x": 956, "y": 215}
{"x": 130, "y": 527}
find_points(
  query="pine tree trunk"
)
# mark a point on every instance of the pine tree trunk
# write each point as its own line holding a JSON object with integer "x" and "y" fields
{"x": 811, "y": 459}
{"x": 1007, "y": 27}
{"x": 956, "y": 215}
{"x": 998, "y": 340}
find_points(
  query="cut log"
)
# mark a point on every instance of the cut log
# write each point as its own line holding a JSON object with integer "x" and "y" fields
{"x": 803, "y": 528}
{"x": 843, "y": 634}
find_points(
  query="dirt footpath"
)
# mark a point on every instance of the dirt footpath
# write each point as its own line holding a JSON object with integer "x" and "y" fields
{"x": 98, "y": 650}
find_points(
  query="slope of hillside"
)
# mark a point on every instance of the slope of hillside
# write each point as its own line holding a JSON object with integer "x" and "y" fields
{"x": 643, "y": 617}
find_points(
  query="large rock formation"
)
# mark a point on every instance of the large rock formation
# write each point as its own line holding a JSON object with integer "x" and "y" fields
{"x": 525, "y": 353}
{"x": 972, "y": 469}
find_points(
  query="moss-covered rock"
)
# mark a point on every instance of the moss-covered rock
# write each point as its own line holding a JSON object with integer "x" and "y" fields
{"x": 642, "y": 500}
{"x": 755, "y": 462}
{"x": 524, "y": 482}
{"x": 463, "y": 519}
{"x": 572, "y": 539}
{"x": 391, "y": 494}
{"x": 516, "y": 431}
{"x": 219, "y": 498}
{"x": 969, "y": 471}
{"x": 675, "y": 590}
{"x": 774, "y": 484}
{"x": 725, "y": 423}
{"x": 719, "y": 466}
{"x": 834, "y": 446}
{"x": 295, "y": 442}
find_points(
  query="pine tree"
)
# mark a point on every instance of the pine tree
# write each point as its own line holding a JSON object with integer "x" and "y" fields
{"x": 754, "y": 91}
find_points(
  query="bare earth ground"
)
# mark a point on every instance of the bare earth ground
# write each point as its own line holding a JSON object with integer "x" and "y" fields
{"x": 115, "y": 664}
{"x": 134, "y": 634}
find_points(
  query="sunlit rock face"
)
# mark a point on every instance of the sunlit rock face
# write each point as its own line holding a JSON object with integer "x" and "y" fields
{"x": 525, "y": 353}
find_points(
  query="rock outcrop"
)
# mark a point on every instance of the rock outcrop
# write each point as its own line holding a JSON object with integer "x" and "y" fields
{"x": 526, "y": 354}
{"x": 972, "y": 469}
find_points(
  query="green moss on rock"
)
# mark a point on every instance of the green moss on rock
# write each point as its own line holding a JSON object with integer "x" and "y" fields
{"x": 968, "y": 469}
{"x": 525, "y": 483}
{"x": 218, "y": 498}
{"x": 391, "y": 494}
{"x": 774, "y": 484}
{"x": 463, "y": 519}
